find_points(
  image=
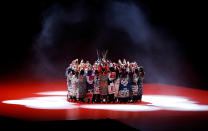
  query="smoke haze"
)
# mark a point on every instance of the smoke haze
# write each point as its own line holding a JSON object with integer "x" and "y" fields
{"x": 76, "y": 31}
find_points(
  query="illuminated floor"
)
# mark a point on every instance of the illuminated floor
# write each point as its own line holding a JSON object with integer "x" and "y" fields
{"x": 163, "y": 106}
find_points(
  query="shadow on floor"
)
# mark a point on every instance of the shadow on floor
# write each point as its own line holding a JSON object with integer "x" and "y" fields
{"x": 70, "y": 125}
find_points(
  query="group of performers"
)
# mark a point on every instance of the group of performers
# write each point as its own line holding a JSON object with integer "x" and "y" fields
{"x": 104, "y": 81}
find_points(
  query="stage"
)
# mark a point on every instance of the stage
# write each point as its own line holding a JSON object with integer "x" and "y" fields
{"x": 163, "y": 107}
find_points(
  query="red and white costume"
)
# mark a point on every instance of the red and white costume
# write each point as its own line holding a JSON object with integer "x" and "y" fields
{"x": 111, "y": 86}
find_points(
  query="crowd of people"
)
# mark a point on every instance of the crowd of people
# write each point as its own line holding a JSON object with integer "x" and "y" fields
{"x": 104, "y": 81}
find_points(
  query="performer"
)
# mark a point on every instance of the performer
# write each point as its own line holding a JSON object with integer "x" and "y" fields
{"x": 81, "y": 90}
{"x": 140, "y": 84}
{"x": 124, "y": 87}
{"x": 134, "y": 85}
{"x": 103, "y": 85}
{"x": 111, "y": 85}
{"x": 69, "y": 77}
{"x": 117, "y": 83}
{"x": 90, "y": 86}
{"x": 74, "y": 85}
{"x": 96, "y": 94}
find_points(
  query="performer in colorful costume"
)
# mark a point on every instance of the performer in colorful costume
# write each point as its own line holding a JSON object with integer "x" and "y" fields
{"x": 103, "y": 85}
{"x": 104, "y": 81}
{"x": 111, "y": 85}
{"x": 140, "y": 83}
{"x": 124, "y": 87}
{"x": 96, "y": 95}
{"x": 81, "y": 90}
{"x": 90, "y": 86}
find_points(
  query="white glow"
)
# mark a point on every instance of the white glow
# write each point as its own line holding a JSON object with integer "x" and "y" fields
{"x": 57, "y": 100}
{"x": 54, "y": 93}
{"x": 120, "y": 107}
{"x": 174, "y": 103}
{"x": 51, "y": 102}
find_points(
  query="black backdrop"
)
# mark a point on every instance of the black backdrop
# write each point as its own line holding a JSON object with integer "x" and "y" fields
{"x": 175, "y": 49}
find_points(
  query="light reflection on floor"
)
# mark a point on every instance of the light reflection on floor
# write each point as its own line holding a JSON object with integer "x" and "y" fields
{"x": 46, "y": 102}
{"x": 57, "y": 100}
{"x": 162, "y": 105}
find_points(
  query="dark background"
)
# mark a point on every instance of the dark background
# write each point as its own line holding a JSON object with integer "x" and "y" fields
{"x": 175, "y": 53}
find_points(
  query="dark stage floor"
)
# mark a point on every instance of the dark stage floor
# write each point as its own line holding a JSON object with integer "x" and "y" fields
{"x": 164, "y": 107}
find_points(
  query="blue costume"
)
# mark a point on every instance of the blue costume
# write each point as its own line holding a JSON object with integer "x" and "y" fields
{"x": 124, "y": 87}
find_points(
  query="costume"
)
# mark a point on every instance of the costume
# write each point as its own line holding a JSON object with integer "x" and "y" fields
{"x": 117, "y": 84}
{"x": 96, "y": 93}
{"x": 90, "y": 86}
{"x": 70, "y": 90}
{"x": 74, "y": 86}
{"x": 111, "y": 86}
{"x": 81, "y": 90}
{"x": 140, "y": 84}
{"x": 124, "y": 89}
{"x": 103, "y": 86}
{"x": 134, "y": 87}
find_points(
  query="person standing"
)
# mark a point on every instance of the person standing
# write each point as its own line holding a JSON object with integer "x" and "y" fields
{"x": 74, "y": 85}
{"x": 81, "y": 90}
{"x": 96, "y": 93}
{"x": 90, "y": 86}
{"x": 111, "y": 85}
{"x": 140, "y": 83}
{"x": 69, "y": 87}
{"x": 124, "y": 87}
{"x": 104, "y": 85}
{"x": 134, "y": 85}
